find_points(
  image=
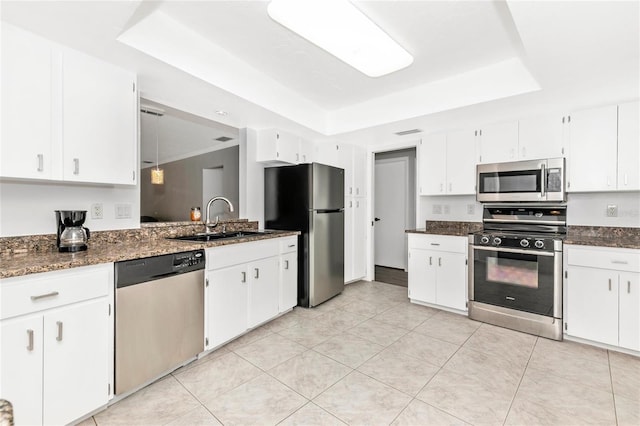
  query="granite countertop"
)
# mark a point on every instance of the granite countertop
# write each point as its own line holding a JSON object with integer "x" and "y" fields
{"x": 24, "y": 263}
{"x": 459, "y": 229}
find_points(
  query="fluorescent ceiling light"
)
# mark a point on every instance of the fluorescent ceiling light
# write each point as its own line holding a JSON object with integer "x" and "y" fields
{"x": 338, "y": 27}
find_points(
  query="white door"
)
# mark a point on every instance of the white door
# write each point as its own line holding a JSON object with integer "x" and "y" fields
{"x": 391, "y": 196}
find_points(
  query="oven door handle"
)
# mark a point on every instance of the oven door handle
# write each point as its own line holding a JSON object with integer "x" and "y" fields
{"x": 510, "y": 250}
{"x": 524, "y": 222}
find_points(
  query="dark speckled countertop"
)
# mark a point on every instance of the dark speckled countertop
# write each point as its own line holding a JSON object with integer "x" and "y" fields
{"x": 111, "y": 247}
{"x": 601, "y": 236}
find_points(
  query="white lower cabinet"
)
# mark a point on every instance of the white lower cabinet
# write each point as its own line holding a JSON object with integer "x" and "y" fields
{"x": 245, "y": 286}
{"x": 438, "y": 270}
{"x": 602, "y": 291}
{"x": 56, "y": 344}
{"x": 288, "y": 273}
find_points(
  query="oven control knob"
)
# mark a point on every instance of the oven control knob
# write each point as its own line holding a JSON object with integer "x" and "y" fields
{"x": 484, "y": 239}
{"x": 524, "y": 243}
{"x": 497, "y": 241}
{"x": 539, "y": 244}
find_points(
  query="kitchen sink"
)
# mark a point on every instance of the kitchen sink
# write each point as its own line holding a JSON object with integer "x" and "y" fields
{"x": 202, "y": 237}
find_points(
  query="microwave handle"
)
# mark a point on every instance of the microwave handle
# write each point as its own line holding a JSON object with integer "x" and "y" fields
{"x": 543, "y": 180}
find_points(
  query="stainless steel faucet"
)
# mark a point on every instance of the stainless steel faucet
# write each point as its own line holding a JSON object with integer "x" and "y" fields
{"x": 208, "y": 224}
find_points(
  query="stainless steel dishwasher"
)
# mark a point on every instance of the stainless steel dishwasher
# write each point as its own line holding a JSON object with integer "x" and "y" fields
{"x": 159, "y": 316}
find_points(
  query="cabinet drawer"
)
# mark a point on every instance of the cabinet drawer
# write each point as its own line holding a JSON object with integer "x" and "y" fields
{"x": 32, "y": 293}
{"x": 288, "y": 244}
{"x": 235, "y": 254}
{"x": 617, "y": 259}
{"x": 438, "y": 242}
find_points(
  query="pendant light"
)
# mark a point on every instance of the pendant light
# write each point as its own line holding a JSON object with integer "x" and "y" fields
{"x": 157, "y": 174}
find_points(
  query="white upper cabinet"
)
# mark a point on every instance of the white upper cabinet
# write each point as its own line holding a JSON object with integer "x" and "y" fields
{"x": 66, "y": 116}
{"x": 277, "y": 146}
{"x": 448, "y": 163}
{"x": 541, "y": 137}
{"x": 99, "y": 121}
{"x": 592, "y": 159}
{"x": 359, "y": 178}
{"x": 27, "y": 133}
{"x": 498, "y": 142}
{"x": 432, "y": 160}
{"x": 629, "y": 146}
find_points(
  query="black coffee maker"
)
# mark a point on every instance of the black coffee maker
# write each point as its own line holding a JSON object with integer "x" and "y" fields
{"x": 72, "y": 236}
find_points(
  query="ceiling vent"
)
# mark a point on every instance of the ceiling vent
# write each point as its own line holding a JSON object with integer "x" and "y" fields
{"x": 408, "y": 132}
{"x": 151, "y": 110}
{"x": 223, "y": 139}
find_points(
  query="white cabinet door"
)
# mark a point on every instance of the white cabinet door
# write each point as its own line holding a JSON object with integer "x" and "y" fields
{"x": 461, "y": 160}
{"x": 359, "y": 171}
{"x": 629, "y": 314}
{"x": 306, "y": 151}
{"x": 76, "y": 366}
{"x": 592, "y": 304}
{"x": 99, "y": 121}
{"x": 540, "y": 137}
{"x": 359, "y": 249}
{"x": 629, "y": 146}
{"x": 330, "y": 154}
{"x": 21, "y": 367}
{"x": 592, "y": 156}
{"x": 288, "y": 281}
{"x": 451, "y": 287}
{"x": 264, "y": 289}
{"x": 227, "y": 304}
{"x": 498, "y": 142}
{"x": 27, "y": 90}
{"x": 349, "y": 209}
{"x": 422, "y": 275}
{"x": 433, "y": 164}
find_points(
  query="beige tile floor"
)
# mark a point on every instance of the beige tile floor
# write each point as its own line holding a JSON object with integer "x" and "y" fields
{"x": 369, "y": 357}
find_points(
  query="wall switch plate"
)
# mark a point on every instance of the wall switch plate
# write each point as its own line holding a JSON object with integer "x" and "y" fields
{"x": 446, "y": 209}
{"x": 96, "y": 211}
{"x": 123, "y": 211}
{"x": 471, "y": 208}
{"x": 437, "y": 209}
{"x": 612, "y": 210}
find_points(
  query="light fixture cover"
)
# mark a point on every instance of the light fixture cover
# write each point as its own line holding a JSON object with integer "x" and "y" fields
{"x": 157, "y": 176}
{"x": 338, "y": 27}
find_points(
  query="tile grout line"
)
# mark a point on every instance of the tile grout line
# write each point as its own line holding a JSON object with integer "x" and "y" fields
{"x": 524, "y": 371}
{"x": 613, "y": 394}
{"x": 197, "y": 399}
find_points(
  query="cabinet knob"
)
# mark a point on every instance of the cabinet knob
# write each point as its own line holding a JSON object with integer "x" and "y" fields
{"x": 76, "y": 166}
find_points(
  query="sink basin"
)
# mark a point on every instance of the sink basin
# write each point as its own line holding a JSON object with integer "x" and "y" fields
{"x": 219, "y": 236}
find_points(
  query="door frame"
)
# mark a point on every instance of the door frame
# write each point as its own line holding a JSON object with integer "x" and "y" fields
{"x": 405, "y": 161}
{"x": 371, "y": 158}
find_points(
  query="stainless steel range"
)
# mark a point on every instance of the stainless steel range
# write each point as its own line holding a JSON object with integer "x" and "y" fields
{"x": 515, "y": 272}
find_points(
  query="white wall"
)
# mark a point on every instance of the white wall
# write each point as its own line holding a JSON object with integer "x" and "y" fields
{"x": 585, "y": 209}
{"x": 27, "y": 208}
{"x": 251, "y": 179}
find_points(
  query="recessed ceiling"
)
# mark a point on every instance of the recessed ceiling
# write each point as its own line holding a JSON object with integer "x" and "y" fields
{"x": 203, "y": 56}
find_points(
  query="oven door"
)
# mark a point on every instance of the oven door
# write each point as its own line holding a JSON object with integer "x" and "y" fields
{"x": 523, "y": 280}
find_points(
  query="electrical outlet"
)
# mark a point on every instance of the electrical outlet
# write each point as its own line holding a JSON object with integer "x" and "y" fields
{"x": 123, "y": 211}
{"x": 437, "y": 209}
{"x": 446, "y": 209}
{"x": 471, "y": 208}
{"x": 96, "y": 211}
{"x": 612, "y": 210}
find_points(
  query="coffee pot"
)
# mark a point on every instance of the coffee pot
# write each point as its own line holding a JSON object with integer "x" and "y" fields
{"x": 72, "y": 236}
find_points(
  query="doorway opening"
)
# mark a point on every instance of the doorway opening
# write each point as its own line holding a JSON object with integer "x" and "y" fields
{"x": 394, "y": 212}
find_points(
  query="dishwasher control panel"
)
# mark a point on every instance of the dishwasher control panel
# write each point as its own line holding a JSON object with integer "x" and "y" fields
{"x": 135, "y": 271}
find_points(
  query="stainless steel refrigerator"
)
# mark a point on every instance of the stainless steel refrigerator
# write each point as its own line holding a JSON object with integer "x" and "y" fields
{"x": 310, "y": 198}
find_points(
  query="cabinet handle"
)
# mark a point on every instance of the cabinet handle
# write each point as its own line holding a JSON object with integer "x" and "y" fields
{"x": 629, "y": 287}
{"x": 30, "y": 337}
{"x": 297, "y": 157}
{"x": 244, "y": 277}
{"x": 435, "y": 244}
{"x": 286, "y": 264}
{"x": 350, "y": 203}
{"x": 291, "y": 245}
{"x": 620, "y": 262}
{"x": 430, "y": 260}
{"x": 625, "y": 179}
{"x": 76, "y": 166}
{"x": 40, "y": 162}
{"x": 350, "y": 190}
{"x": 59, "y": 336}
{"x": 43, "y": 296}
{"x": 609, "y": 284}
{"x": 257, "y": 273}
{"x": 357, "y": 204}
{"x": 439, "y": 261}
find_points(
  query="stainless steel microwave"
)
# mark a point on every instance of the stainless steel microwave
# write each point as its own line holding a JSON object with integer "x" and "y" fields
{"x": 532, "y": 180}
